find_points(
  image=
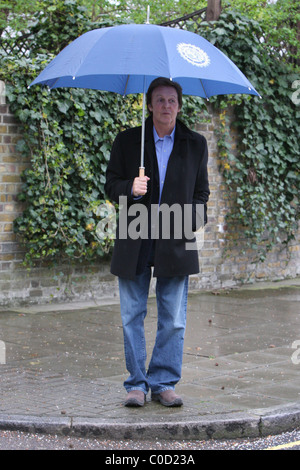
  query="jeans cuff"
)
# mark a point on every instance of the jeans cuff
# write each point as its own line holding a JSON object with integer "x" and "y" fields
{"x": 163, "y": 389}
{"x": 131, "y": 389}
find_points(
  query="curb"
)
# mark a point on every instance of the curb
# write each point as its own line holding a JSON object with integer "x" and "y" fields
{"x": 256, "y": 424}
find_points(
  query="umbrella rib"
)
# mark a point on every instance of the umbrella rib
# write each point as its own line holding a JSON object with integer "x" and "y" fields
{"x": 203, "y": 89}
{"x": 126, "y": 85}
{"x": 53, "y": 84}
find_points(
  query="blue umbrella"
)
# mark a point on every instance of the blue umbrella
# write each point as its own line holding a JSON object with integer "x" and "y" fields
{"x": 126, "y": 58}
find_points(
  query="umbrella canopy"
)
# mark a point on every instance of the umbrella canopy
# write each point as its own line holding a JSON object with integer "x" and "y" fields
{"x": 126, "y": 58}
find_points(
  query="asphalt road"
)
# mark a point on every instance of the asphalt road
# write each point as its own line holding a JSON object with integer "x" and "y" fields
{"x": 13, "y": 440}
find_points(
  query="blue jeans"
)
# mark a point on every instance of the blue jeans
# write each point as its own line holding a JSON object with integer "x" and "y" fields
{"x": 164, "y": 369}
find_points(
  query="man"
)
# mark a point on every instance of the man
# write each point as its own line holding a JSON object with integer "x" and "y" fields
{"x": 175, "y": 174}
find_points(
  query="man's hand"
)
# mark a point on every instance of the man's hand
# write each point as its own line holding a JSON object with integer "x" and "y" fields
{"x": 139, "y": 187}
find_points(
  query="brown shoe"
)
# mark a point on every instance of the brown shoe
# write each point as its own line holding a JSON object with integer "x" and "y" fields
{"x": 135, "y": 398}
{"x": 167, "y": 398}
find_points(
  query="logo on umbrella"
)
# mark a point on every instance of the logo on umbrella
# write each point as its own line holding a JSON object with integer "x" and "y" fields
{"x": 193, "y": 54}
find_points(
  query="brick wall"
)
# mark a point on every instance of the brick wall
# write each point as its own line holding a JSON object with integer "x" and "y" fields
{"x": 11, "y": 166}
{"x": 222, "y": 267}
{"x": 65, "y": 282}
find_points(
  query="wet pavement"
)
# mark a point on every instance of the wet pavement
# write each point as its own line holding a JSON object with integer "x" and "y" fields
{"x": 62, "y": 368}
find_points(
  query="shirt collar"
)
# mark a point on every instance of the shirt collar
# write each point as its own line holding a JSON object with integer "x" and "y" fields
{"x": 157, "y": 138}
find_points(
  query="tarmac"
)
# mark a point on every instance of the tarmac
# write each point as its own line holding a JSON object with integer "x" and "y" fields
{"x": 62, "y": 368}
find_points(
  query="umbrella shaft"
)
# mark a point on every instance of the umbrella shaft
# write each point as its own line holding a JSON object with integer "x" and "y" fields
{"x": 143, "y": 126}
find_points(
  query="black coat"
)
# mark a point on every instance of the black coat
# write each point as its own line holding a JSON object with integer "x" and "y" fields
{"x": 186, "y": 182}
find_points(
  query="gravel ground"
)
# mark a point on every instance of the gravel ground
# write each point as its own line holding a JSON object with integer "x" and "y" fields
{"x": 13, "y": 440}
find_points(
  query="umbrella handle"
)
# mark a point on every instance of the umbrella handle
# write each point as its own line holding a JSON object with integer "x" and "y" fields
{"x": 141, "y": 171}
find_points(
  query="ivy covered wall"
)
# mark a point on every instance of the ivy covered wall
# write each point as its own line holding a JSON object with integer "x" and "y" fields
{"x": 55, "y": 146}
{"x": 224, "y": 262}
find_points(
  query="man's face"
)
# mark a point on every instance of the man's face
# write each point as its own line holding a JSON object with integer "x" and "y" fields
{"x": 164, "y": 106}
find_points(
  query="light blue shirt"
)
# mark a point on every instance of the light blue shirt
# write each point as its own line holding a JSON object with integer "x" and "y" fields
{"x": 164, "y": 147}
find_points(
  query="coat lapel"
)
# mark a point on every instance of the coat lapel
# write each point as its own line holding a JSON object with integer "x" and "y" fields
{"x": 176, "y": 160}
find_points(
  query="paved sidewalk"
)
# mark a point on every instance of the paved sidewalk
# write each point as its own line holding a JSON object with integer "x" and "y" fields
{"x": 64, "y": 368}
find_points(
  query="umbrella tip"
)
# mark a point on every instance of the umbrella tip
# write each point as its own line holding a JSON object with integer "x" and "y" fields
{"x": 252, "y": 89}
{"x": 148, "y": 15}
